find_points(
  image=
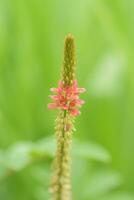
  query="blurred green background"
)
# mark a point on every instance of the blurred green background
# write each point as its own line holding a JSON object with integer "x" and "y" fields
{"x": 31, "y": 51}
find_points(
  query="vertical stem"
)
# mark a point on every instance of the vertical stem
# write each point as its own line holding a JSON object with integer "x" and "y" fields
{"x": 61, "y": 184}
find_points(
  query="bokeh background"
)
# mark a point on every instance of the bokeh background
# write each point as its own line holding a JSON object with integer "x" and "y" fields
{"x": 31, "y": 52}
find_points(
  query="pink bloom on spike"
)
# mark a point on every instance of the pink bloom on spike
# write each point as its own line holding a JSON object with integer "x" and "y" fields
{"x": 67, "y": 98}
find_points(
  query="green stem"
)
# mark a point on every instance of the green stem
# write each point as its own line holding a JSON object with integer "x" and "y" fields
{"x": 61, "y": 163}
{"x": 61, "y": 186}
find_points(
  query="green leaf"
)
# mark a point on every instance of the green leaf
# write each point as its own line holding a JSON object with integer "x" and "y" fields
{"x": 44, "y": 148}
{"x": 91, "y": 151}
{"x": 18, "y": 156}
{"x": 101, "y": 182}
{"x": 22, "y": 154}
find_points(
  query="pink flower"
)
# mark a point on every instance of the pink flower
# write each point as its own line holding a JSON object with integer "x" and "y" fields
{"x": 67, "y": 98}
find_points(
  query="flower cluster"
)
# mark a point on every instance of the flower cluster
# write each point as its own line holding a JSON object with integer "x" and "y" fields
{"x": 67, "y": 98}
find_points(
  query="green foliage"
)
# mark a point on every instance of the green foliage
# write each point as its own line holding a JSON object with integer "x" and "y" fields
{"x": 23, "y": 154}
{"x": 91, "y": 151}
{"x": 31, "y": 163}
{"x": 31, "y": 41}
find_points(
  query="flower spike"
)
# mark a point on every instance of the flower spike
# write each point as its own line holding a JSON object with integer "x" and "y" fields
{"x": 66, "y": 99}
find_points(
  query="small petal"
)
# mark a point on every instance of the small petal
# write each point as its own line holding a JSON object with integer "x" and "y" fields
{"x": 52, "y": 106}
{"x": 54, "y": 97}
{"x": 64, "y": 107}
{"x": 74, "y": 112}
{"x": 80, "y": 102}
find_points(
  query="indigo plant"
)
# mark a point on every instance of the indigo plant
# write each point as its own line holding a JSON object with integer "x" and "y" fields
{"x": 66, "y": 99}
